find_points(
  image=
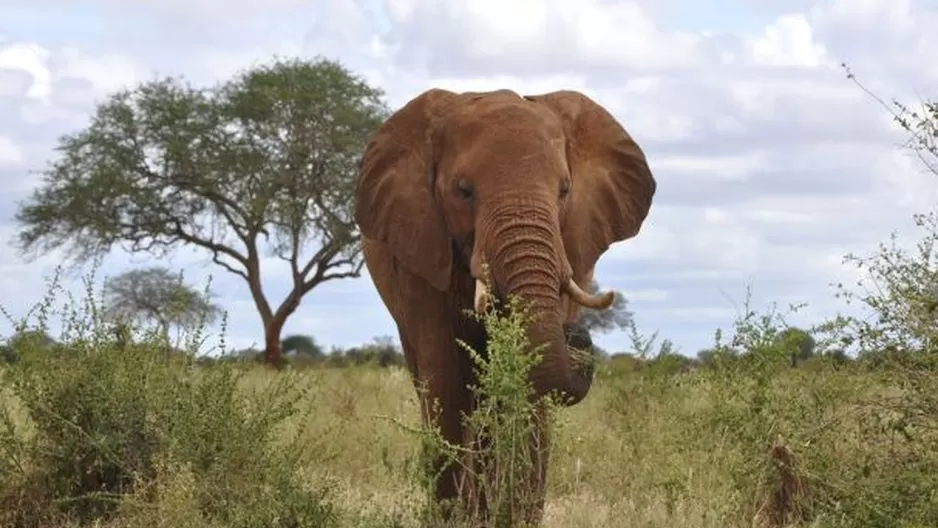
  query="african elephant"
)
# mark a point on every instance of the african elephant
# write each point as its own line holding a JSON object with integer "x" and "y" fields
{"x": 536, "y": 187}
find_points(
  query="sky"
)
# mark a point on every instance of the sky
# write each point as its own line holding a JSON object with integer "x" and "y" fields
{"x": 771, "y": 165}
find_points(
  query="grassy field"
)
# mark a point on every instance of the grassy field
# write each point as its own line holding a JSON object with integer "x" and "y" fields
{"x": 655, "y": 450}
{"x": 97, "y": 430}
{"x": 645, "y": 449}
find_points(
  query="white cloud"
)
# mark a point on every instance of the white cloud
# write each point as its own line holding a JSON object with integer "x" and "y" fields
{"x": 893, "y": 14}
{"x": 536, "y": 84}
{"x": 770, "y": 163}
{"x": 107, "y": 72}
{"x": 29, "y": 58}
{"x": 733, "y": 168}
{"x": 493, "y": 36}
{"x": 647, "y": 295}
{"x": 10, "y": 153}
{"x": 788, "y": 42}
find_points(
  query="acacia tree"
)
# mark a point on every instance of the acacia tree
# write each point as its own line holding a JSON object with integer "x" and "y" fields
{"x": 261, "y": 165}
{"x": 156, "y": 294}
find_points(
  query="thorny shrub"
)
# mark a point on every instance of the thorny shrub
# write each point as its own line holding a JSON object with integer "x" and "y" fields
{"x": 108, "y": 427}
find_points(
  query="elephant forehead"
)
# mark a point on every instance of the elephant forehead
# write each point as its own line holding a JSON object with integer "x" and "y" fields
{"x": 505, "y": 154}
{"x": 505, "y": 116}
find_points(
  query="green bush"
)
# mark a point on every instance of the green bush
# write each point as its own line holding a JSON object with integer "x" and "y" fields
{"x": 510, "y": 429}
{"x": 500, "y": 458}
{"x": 788, "y": 429}
{"x": 832, "y": 443}
{"x": 105, "y": 428}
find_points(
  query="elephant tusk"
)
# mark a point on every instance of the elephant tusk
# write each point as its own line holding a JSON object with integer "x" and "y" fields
{"x": 599, "y": 301}
{"x": 481, "y": 299}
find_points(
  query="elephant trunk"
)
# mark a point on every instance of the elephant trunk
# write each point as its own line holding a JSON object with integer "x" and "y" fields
{"x": 529, "y": 265}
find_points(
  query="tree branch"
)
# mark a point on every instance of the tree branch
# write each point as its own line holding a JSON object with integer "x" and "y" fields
{"x": 216, "y": 248}
{"x": 294, "y": 258}
{"x": 253, "y": 278}
{"x": 328, "y": 251}
{"x": 216, "y": 258}
{"x": 322, "y": 272}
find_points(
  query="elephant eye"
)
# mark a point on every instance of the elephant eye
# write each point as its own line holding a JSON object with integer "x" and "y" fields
{"x": 564, "y": 188}
{"x": 464, "y": 188}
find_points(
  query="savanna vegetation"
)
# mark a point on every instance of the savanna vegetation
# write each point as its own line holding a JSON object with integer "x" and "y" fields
{"x": 116, "y": 422}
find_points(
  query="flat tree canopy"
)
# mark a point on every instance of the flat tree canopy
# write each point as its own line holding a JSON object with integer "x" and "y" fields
{"x": 263, "y": 164}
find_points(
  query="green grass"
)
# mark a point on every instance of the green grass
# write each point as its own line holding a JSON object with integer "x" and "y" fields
{"x": 102, "y": 432}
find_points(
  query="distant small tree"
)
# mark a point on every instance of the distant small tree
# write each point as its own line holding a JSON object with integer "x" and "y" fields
{"x": 157, "y": 295}
{"x": 265, "y": 162}
{"x": 616, "y": 317}
{"x": 800, "y": 343}
{"x": 302, "y": 345}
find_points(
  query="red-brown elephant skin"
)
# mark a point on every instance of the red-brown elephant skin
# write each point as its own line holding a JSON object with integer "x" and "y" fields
{"x": 536, "y": 187}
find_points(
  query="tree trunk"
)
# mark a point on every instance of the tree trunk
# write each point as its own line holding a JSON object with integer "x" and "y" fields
{"x": 272, "y": 350}
{"x": 273, "y": 328}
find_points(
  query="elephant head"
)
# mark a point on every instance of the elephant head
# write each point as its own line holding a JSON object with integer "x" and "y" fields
{"x": 537, "y": 187}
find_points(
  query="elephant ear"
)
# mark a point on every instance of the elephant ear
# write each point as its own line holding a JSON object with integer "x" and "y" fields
{"x": 612, "y": 186}
{"x": 394, "y": 197}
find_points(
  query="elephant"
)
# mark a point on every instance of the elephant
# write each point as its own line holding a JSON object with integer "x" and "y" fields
{"x": 533, "y": 189}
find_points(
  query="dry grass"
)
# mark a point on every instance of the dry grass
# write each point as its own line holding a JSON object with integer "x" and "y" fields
{"x": 642, "y": 450}
{"x": 632, "y": 454}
